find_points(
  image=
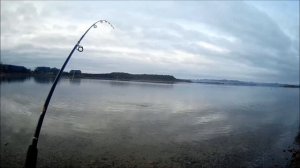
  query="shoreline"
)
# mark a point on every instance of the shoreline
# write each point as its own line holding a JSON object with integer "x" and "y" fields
{"x": 24, "y": 76}
{"x": 18, "y": 76}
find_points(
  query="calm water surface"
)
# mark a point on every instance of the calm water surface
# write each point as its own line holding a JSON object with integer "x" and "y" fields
{"x": 96, "y": 123}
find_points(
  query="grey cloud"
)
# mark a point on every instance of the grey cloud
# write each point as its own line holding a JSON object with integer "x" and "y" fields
{"x": 260, "y": 44}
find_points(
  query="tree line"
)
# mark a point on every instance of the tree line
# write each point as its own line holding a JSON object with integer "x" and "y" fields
{"x": 6, "y": 69}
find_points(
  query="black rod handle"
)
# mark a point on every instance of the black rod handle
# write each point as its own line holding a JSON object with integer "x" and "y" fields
{"x": 31, "y": 156}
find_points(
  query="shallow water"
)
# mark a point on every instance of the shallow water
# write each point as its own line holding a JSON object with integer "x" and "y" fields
{"x": 96, "y": 123}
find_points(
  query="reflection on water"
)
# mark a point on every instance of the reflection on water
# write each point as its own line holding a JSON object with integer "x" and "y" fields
{"x": 17, "y": 78}
{"x": 94, "y": 123}
{"x": 75, "y": 81}
{"x": 43, "y": 80}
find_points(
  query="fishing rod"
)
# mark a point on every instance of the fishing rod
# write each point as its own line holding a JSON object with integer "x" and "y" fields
{"x": 32, "y": 151}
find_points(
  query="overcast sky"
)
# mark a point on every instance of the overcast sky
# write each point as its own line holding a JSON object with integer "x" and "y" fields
{"x": 252, "y": 41}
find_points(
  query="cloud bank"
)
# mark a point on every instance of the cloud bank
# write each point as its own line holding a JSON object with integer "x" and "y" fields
{"x": 251, "y": 41}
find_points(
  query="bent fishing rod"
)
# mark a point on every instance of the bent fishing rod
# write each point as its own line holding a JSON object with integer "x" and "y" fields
{"x": 32, "y": 151}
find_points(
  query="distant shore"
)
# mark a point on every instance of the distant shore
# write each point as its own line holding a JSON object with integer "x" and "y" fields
{"x": 7, "y": 72}
{"x": 13, "y": 71}
{"x": 13, "y": 77}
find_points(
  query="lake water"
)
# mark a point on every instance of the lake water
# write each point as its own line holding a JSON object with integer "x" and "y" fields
{"x": 98, "y": 123}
